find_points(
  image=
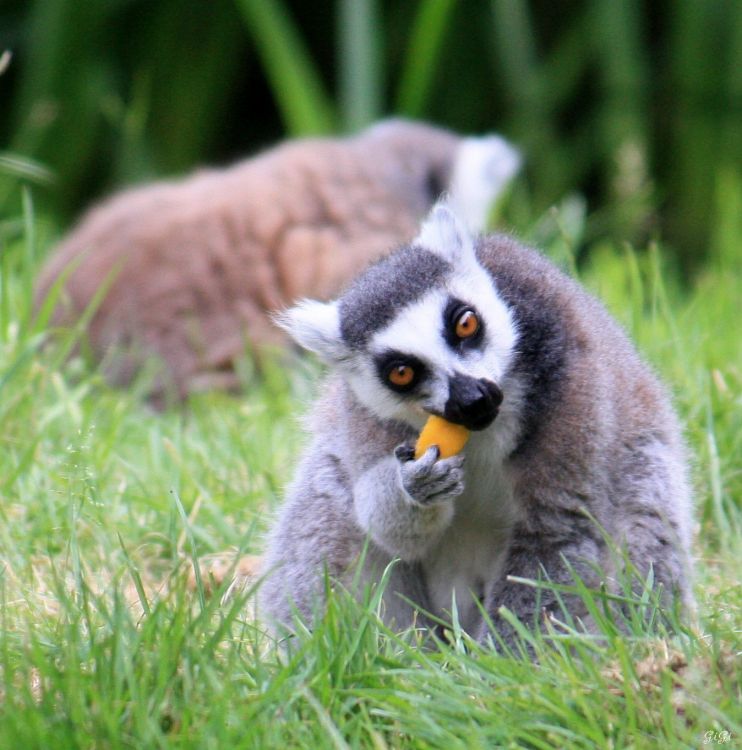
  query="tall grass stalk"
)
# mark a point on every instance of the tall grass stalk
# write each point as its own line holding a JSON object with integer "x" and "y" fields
{"x": 425, "y": 50}
{"x": 296, "y": 83}
{"x": 360, "y": 62}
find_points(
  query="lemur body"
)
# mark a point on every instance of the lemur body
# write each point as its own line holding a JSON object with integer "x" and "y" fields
{"x": 192, "y": 269}
{"x": 573, "y": 438}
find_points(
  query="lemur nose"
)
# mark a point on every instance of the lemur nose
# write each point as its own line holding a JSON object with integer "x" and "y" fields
{"x": 472, "y": 402}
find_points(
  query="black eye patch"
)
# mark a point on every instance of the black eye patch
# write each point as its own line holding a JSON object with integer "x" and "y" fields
{"x": 452, "y": 314}
{"x": 400, "y": 372}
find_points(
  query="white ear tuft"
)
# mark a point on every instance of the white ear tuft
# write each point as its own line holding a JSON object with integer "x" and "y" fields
{"x": 316, "y": 327}
{"x": 444, "y": 234}
{"x": 482, "y": 169}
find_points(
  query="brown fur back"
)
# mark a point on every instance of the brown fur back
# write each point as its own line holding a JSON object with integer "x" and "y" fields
{"x": 195, "y": 267}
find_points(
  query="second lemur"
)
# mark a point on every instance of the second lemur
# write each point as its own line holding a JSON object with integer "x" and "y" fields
{"x": 575, "y": 448}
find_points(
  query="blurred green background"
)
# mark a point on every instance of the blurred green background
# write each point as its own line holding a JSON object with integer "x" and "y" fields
{"x": 635, "y": 105}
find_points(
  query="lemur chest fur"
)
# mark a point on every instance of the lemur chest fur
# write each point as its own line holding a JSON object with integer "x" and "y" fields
{"x": 471, "y": 553}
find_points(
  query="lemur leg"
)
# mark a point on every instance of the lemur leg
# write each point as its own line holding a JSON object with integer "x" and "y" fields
{"x": 533, "y": 558}
{"x": 405, "y": 505}
{"x": 651, "y": 527}
{"x": 405, "y": 594}
{"x": 652, "y": 543}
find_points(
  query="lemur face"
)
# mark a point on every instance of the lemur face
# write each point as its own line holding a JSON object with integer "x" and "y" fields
{"x": 422, "y": 332}
{"x": 444, "y": 354}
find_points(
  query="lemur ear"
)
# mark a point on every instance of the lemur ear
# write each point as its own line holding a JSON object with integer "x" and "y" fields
{"x": 316, "y": 327}
{"x": 444, "y": 234}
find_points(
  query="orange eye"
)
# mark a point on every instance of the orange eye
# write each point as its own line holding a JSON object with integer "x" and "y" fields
{"x": 401, "y": 375}
{"x": 467, "y": 324}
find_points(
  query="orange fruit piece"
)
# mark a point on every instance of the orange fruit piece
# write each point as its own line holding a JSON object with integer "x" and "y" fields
{"x": 450, "y": 438}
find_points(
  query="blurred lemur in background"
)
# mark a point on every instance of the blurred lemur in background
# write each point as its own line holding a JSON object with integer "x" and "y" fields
{"x": 575, "y": 448}
{"x": 191, "y": 270}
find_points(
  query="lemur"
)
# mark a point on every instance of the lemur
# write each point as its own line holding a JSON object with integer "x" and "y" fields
{"x": 574, "y": 446}
{"x": 185, "y": 273}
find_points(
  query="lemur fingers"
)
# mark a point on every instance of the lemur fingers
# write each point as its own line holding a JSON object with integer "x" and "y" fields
{"x": 429, "y": 479}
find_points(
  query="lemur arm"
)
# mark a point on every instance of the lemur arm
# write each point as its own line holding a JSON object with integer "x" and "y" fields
{"x": 405, "y": 505}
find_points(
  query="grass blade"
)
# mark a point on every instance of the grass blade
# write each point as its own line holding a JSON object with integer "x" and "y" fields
{"x": 621, "y": 50}
{"x": 428, "y": 34}
{"x": 295, "y": 80}
{"x": 135, "y": 577}
{"x": 21, "y": 167}
{"x": 192, "y": 543}
{"x": 359, "y": 62}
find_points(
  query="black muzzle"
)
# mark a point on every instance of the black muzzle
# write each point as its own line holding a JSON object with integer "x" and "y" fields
{"x": 472, "y": 402}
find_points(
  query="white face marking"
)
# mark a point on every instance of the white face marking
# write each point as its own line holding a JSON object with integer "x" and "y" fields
{"x": 418, "y": 331}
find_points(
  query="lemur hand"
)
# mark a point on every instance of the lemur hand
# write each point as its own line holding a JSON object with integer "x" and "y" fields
{"x": 428, "y": 480}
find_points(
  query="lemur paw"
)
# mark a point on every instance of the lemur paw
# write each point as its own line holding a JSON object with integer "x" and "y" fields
{"x": 427, "y": 479}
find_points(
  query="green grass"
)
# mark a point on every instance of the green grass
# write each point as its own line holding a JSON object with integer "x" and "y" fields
{"x": 106, "y": 643}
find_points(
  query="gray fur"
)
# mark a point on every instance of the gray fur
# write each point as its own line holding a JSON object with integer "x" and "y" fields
{"x": 585, "y": 431}
{"x": 375, "y": 298}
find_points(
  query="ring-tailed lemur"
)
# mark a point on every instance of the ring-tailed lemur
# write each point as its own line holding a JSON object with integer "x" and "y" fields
{"x": 573, "y": 437}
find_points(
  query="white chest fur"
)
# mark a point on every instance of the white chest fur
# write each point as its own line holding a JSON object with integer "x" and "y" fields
{"x": 472, "y": 551}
